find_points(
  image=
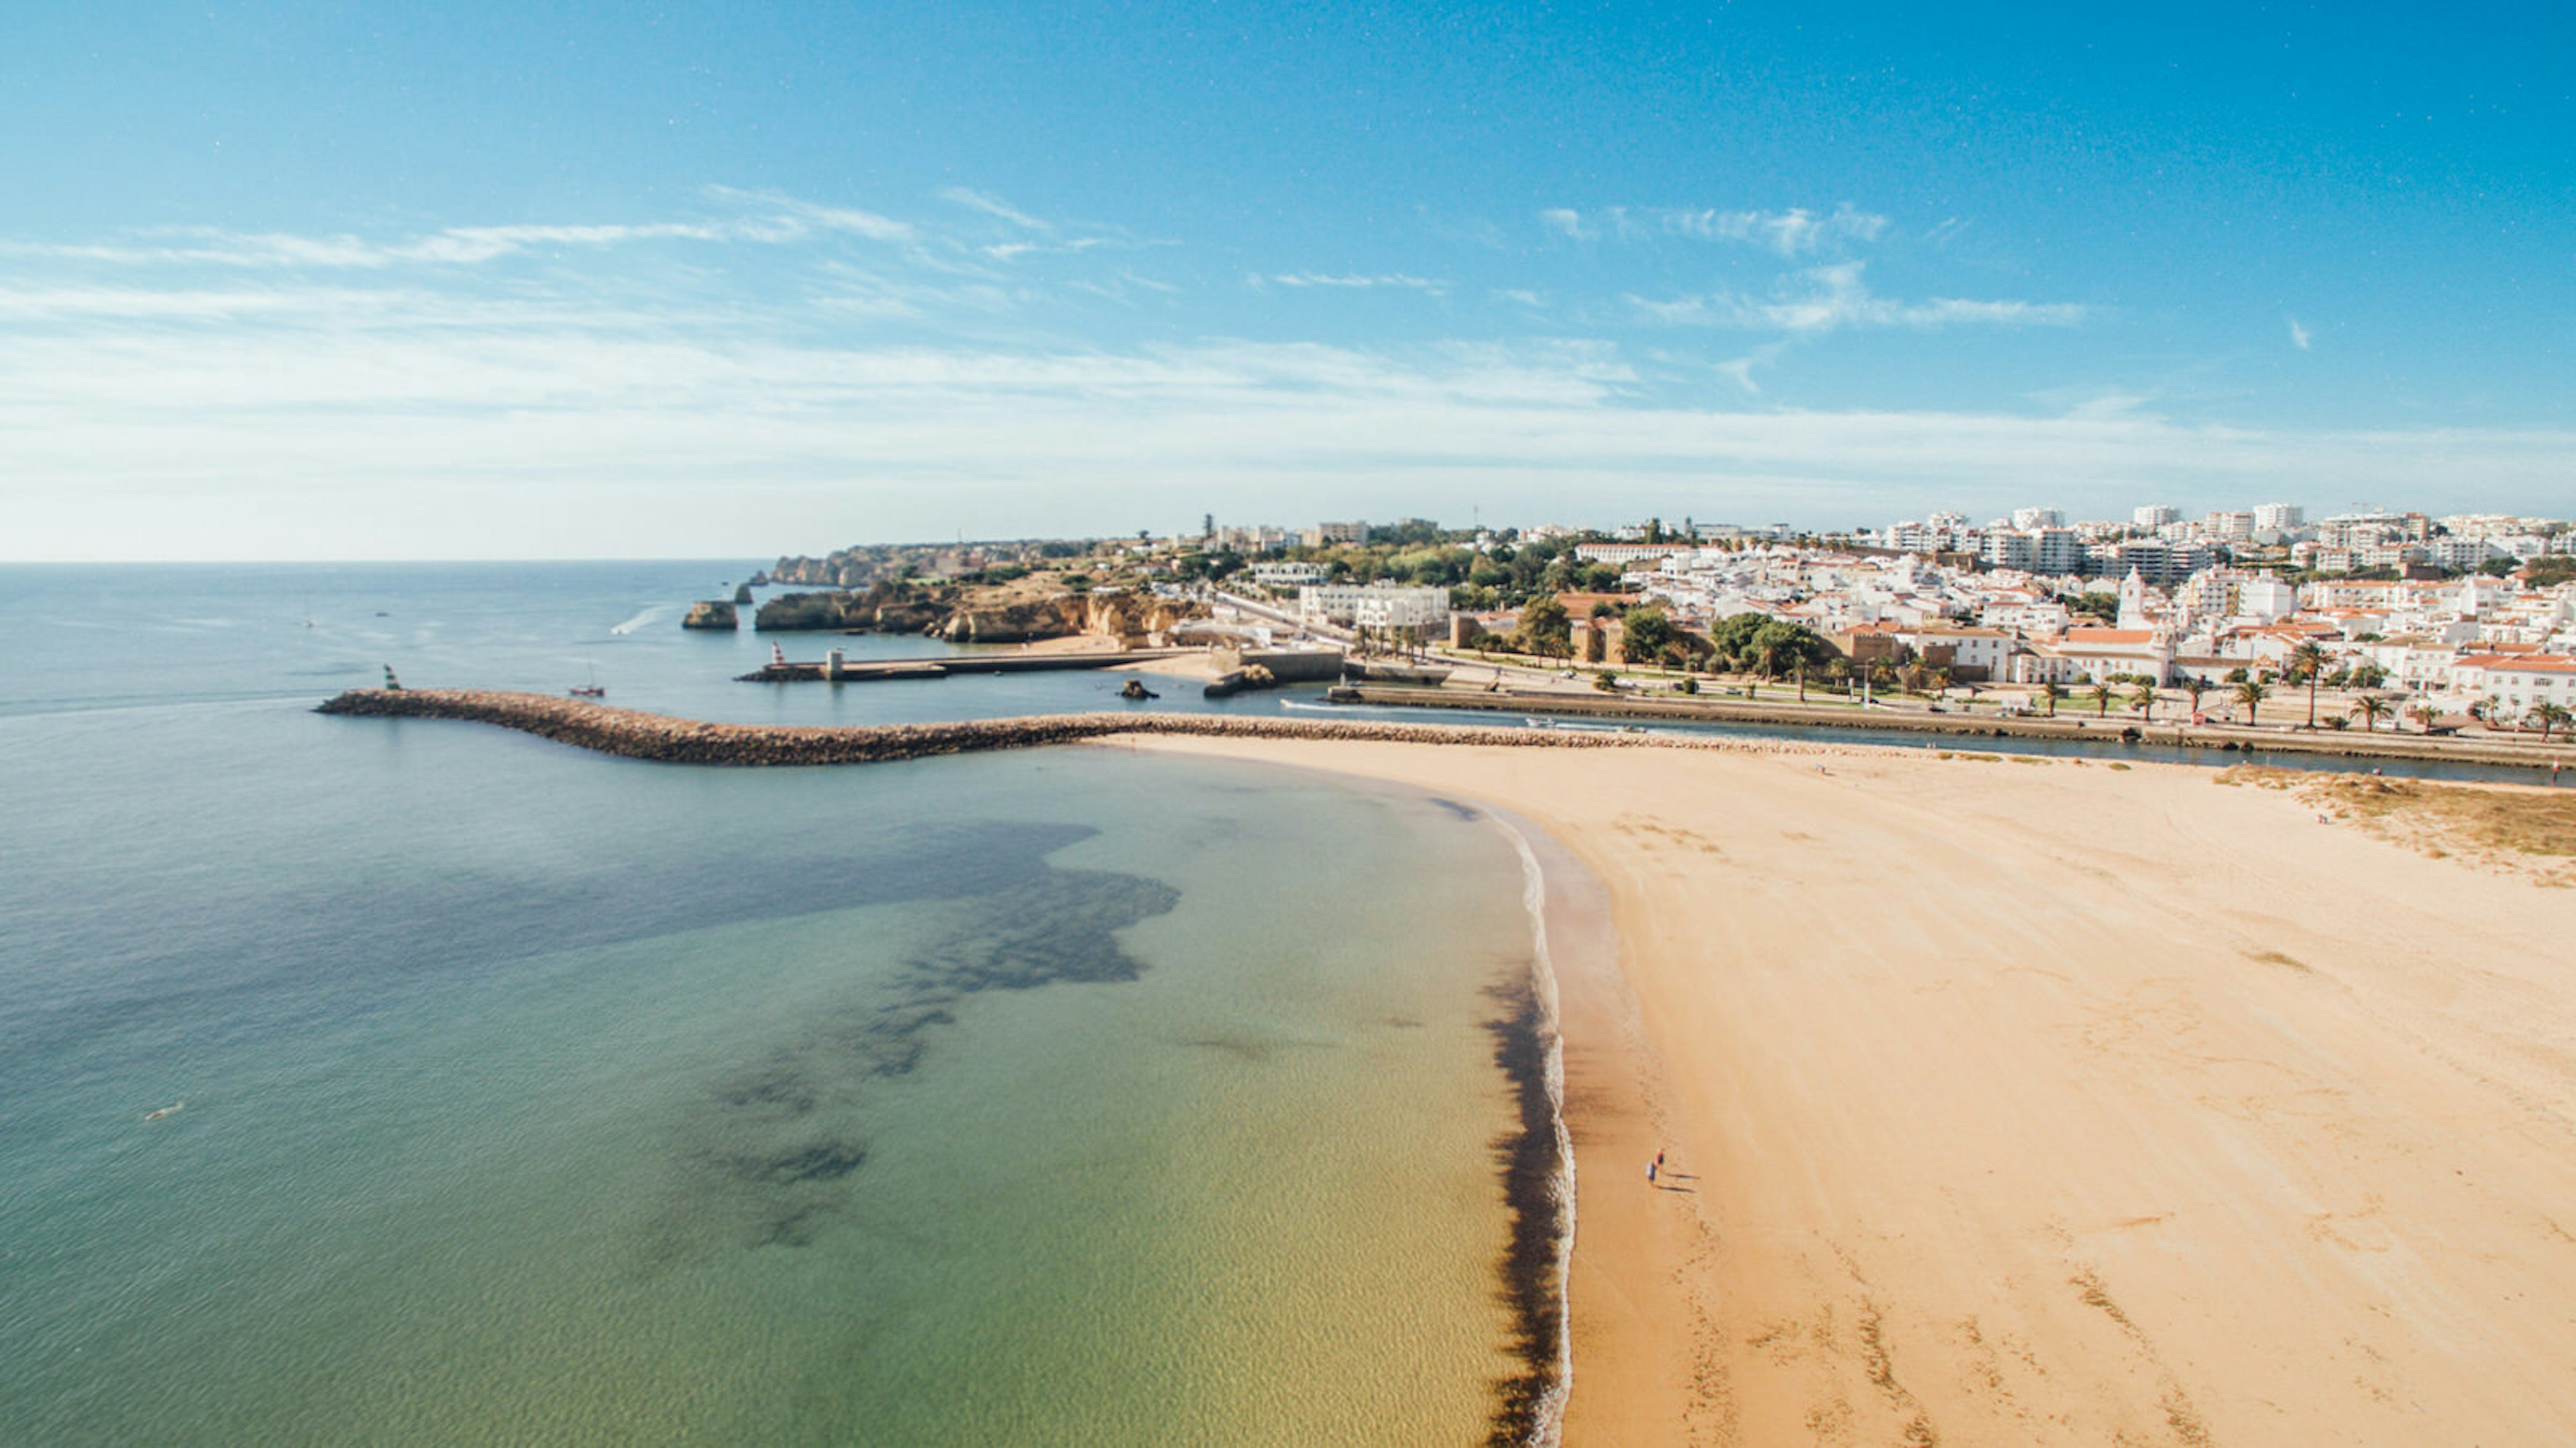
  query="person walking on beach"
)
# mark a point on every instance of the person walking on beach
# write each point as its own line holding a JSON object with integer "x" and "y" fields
{"x": 1653, "y": 1167}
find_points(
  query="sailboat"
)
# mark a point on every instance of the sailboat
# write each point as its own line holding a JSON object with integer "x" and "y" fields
{"x": 592, "y": 690}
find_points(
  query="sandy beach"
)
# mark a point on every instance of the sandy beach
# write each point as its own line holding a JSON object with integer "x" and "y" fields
{"x": 2043, "y": 1102}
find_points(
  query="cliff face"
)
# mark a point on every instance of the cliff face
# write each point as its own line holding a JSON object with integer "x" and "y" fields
{"x": 712, "y": 613}
{"x": 976, "y": 614}
{"x": 1133, "y": 619}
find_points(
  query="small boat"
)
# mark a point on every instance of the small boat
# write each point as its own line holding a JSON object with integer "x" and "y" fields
{"x": 173, "y": 1109}
{"x": 591, "y": 690}
{"x": 1536, "y": 722}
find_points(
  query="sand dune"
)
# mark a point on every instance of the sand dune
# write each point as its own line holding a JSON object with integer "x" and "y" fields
{"x": 2034, "y": 1103}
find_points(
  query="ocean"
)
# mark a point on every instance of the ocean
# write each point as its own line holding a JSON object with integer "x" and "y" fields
{"x": 402, "y": 1081}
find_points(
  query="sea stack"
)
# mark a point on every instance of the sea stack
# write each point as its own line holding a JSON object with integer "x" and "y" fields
{"x": 712, "y": 613}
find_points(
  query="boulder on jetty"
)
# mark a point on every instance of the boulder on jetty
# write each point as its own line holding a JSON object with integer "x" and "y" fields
{"x": 711, "y": 613}
{"x": 1236, "y": 681}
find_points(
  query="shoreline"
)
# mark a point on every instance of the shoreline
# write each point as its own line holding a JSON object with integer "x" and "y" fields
{"x": 2052, "y": 1104}
{"x": 2263, "y": 1174}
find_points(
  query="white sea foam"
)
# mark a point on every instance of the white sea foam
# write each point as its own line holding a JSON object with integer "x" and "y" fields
{"x": 649, "y": 613}
{"x": 1547, "y": 1423}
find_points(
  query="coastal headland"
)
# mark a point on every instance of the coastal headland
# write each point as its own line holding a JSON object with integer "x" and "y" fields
{"x": 2002, "y": 1101}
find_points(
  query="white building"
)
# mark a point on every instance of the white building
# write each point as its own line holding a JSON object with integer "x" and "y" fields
{"x": 2155, "y": 515}
{"x": 1324, "y": 535}
{"x": 2038, "y": 518}
{"x": 2280, "y": 518}
{"x": 1287, "y": 575}
{"x": 2520, "y": 681}
{"x": 1378, "y": 605}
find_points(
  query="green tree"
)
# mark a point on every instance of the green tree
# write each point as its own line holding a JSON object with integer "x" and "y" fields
{"x": 2052, "y": 691}
{"x": 2370, "y": 709}
{"x": 2423, "y": 714}
{"x": 1645, "y": 634}
{"x": 1544, "y": 629}
{"x": 2251, "y": 694}
{"x": 2143, "y": 699}
{"x": 2309, "y": 660}
{"x": 2549, "y": 717}
{"x": 2195, "y": 687}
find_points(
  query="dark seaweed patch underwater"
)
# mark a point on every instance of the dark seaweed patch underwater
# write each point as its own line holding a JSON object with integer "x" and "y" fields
{"x": 772, "y": 1151}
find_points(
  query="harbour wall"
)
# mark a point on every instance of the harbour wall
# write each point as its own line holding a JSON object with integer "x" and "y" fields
{"x": 633, "y": 734}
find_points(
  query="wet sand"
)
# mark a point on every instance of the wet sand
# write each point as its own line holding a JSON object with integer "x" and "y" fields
{"x": 2042, "y": 1102}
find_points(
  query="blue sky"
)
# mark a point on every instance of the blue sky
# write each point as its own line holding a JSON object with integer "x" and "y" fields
{"x": 315, "y": 280}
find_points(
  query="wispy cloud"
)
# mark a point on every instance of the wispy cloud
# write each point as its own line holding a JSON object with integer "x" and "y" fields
{"x": 393, "y": 435}
{"x": 1566, "y": 221}
{"x": 1830, "y": 298}
{"x": 1352, "y": 281}
{"x": 1794, "y": 232}
{"x": 2298, "y": 335}
{"x": 992, "y": 205}
{"x": 1739, "y": 370}
{"x": 786, "y": 220}
{"x": 1791, "y": 233}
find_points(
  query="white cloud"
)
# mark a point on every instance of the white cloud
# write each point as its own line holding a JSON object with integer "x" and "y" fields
{"x": 1830, "y": 298}
{"x": 391, "y": 429}
{"x": 1565, "y": 221}
{"x": 1354, "y": 281}
{"x": 2298, "y": 335}
{"x": 992, "y": 205}
{"x": 788, "y": 220}
{"x": 1790, "y": 233}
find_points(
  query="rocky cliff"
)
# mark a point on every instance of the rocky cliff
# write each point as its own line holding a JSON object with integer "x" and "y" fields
{"x": 981, "y": 615}
{"x": 711, "y": 613}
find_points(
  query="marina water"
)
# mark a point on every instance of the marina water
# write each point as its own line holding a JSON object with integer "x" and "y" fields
{"x": 397, "y": 1081}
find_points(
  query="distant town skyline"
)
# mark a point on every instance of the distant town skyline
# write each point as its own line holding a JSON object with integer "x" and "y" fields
{"x": 286, "y": 283}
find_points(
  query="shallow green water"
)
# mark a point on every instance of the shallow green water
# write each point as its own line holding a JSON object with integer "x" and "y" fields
{"x": 1071, "y": 1097}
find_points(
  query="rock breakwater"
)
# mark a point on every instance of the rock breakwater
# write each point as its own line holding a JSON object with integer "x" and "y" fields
{"x": 633, "y": 734}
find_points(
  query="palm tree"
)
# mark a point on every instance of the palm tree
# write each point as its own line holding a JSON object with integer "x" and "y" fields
{"x": 2195, "y": 686}
{"x": 2423, "y": 714}
{"x": 2143, "y": 699}
{"x": 2251, "y": 694}
{"x": 2370, "y": 709}
{"x": 2549, "y": 716}
{"x": 2101, "y": 693}
{"x": 2049, "y": 690}
{"x": 2309, "y": 658}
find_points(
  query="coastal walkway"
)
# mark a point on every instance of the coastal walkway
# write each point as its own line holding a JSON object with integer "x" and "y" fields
{"x": 2349, "y": 744}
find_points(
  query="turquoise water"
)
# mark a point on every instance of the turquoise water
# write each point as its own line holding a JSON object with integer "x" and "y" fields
{"x": 525, "y": 1095}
